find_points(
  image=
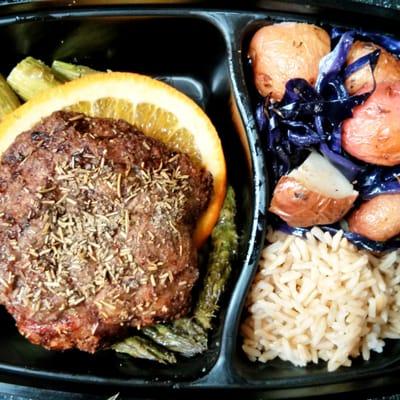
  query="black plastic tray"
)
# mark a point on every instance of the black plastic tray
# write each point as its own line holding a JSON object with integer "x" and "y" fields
{"x": 202, "y": 52}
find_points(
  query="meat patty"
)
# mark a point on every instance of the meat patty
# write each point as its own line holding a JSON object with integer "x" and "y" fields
{"x": 96, "y": 222}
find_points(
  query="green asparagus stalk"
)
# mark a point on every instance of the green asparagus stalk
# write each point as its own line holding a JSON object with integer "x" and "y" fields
{"x": 224, "y": 248}
{"x": 31, "y": 77}
{"x": 184, "y": 337}
{"x": 8, "y": 99}
{"x": 191, "y": 328}
{"x": 68, "y": 72}
{"x": 144, "y": 348}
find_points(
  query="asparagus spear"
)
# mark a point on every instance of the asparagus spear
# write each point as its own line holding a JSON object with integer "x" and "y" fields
{"x": 31, "y": 77}
{"x": 191, "y": 328}
{"x": 8, "y": 100}
{"x": 183, "y": 336}
{"x": 224, "y": 247}
{"x": 139, "y": 347}
{"x": 68, "y": 72}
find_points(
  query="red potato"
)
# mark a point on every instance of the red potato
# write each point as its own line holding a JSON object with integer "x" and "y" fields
{"x": 377, "y": 219}
{"x": 387, "y": 69}
{"x": 315, "y": 193}
{"x": 284, "y": 51}
{"x": 373, "y": 133}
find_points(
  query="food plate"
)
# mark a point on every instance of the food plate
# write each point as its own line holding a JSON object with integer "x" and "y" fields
{"x": 203, "y": 53}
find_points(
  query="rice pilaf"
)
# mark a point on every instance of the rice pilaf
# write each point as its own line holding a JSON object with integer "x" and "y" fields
{"x": 321, "y": 298}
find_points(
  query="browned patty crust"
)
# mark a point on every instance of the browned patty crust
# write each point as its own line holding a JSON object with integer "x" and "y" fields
{"x": 96, "y": 221}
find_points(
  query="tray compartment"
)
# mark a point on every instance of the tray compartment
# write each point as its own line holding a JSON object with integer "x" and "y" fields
{"x": 187, "y": 52}
{"x": 277, "y": 373}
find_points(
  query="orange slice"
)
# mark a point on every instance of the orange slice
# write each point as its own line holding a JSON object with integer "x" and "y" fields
{"x": 156, "y": 108}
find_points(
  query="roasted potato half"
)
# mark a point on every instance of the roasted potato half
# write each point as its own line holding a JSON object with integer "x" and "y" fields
{"x": 377, "y": 219}
{"x": 387, "y": 69}
{"x": 284, "y": 51}
{"x": 373, "y": 133}
{"x": 315, "y": 193}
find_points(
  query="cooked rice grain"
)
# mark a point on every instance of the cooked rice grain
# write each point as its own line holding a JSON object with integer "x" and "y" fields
{"x": 321, "y": 298}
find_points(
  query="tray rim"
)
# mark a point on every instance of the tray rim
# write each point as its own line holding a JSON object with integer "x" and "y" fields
{"x": 210, "y": 380}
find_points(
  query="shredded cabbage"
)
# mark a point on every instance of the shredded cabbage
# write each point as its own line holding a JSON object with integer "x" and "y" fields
{"x": 311, "y": 118}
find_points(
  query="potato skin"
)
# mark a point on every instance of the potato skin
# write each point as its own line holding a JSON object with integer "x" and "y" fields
{"x": 300, "y": 206}
{"x": 373, "y": 133}
{"x": 284, "y": 51}
{"x": 377, "y": 219}
{"x": 387, "y": 68}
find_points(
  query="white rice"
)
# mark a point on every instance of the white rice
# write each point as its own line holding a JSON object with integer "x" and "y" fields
{"x": 321, "y": 298}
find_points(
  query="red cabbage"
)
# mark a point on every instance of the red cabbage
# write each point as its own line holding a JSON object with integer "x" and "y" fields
{"x": 299, "y": 90}
{"x": 371, "y": 59}
{"x": 331, "y": 65}
{"x": 307, "y": 113}
{"x": 336, "y": 139}
{"x": 378, "y": 180}
{"x": 388, "y": 42}
{"x": 285, "y": 140}
{"x": 336, "y": 89}
{"x": 309, "y": 117}
{"x": 335, "y": 110}
{"x": 348, "y": 168}
{"x": 300, "y": 134}
{"x": 330, "y": 98}
{"x": 261, "y": 118}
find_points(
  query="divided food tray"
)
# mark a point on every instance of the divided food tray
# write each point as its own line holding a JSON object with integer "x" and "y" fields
{"x": 203, "y": 53}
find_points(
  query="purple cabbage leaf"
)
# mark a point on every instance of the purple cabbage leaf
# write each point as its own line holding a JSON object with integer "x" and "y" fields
{"x": 309, "y": 117}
